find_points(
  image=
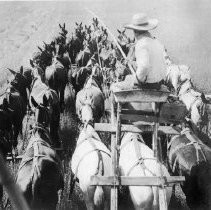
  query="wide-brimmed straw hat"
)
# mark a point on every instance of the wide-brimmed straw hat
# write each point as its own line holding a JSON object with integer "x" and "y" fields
{"x": 141, "y": 22}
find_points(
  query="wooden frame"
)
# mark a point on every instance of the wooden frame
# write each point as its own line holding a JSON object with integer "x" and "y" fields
{"x": 155, "y": 97}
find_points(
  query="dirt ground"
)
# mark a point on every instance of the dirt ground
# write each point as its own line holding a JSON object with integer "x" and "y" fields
{"x": 184, "y": 28}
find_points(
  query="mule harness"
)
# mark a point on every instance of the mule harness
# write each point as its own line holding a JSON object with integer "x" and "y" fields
{"x": 140, "y": 160}
{"x": 100, "y": 160}
{"x": 196, "y": 144}
{"x": 36, "y": 155}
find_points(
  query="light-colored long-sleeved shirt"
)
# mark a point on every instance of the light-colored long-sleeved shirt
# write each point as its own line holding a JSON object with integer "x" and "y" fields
{"x": 150, "y": 59}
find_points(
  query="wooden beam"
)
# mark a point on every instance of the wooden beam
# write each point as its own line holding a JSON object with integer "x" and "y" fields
{"x": 19, "y": 157}
{"x": 106, "y": 127}
{"x": 136, "y": 181}
{"x": 114, "y": 160}
{"x": 138, "y": 128}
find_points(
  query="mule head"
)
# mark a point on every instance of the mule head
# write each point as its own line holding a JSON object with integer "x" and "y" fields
{"x": 88, "y": 132}
{"x": 97, "y": 75}
{"x": 177, "y": 75}
{"x": 43, "y": 112}
{"x": 20, "y": 82}
{"x": 128, "y": 137}
{"x": 86, "y": 113}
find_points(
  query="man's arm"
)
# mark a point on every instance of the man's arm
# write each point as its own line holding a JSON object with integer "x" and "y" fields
{"x": 142, "y": 60}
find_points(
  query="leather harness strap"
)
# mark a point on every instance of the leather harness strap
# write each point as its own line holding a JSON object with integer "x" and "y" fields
{"x": 140, "y": 159}
{"x": 140, "y": 162}
{"x": 195, "y": 143}
{"x": 36, "y": 155}
{"x": 100, "y": 161}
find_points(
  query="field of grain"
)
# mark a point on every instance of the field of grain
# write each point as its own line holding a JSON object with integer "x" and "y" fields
{"x": 184, "y": 28}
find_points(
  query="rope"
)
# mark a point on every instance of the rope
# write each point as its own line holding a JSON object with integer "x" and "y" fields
{"x": 114, "y": 38}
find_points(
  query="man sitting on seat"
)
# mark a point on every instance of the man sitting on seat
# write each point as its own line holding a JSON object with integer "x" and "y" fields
{"x": 149, "y": 55}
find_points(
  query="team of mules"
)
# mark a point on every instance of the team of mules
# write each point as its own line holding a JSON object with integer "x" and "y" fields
{"x": 41, "y": 88}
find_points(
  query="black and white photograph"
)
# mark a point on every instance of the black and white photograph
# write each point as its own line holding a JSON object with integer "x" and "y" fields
{"x": 105, "y": 105}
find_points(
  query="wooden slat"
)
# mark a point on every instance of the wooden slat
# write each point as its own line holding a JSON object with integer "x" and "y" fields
{"x": 139, "y": 95}
{"x": 106, "y": 127}
{"x": 114, "y": 189}
{"x": 162, "y": 199}
{"x": 139, "y": 128}
{"x": 137, "y": 112}
{"x": 136, "y": 181}
{"x": 168, "y": 130}
{"x": 135, "y": 118}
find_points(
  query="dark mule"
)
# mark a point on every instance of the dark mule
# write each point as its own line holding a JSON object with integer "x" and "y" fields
{"x": 90, "y": 99}
{"x": 73, "y": 47}
{"x": 6, "y": 133}
{"x": 79, "y": 77}
{"x": 16, "y": 96}
{"x": 38, "y": 90}
{"x": 56, "y": 77}
{"x": 40, "y": 175}
{"x": 83, "y": 57}
{"x": 189, "y": 157}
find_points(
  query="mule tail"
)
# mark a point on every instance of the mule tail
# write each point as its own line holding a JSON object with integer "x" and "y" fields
{"x": 99, "y": 193}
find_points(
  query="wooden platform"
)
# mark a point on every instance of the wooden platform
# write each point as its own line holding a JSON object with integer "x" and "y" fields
{"x": 140, "y": 95}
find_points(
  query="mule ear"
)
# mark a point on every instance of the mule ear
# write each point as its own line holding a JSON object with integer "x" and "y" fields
{"x": 45, "y": 101}
{"x": 5, "y": 104}
{"x": 45, "y": 44}
{"x": 34, "y": 103}
{"x": 21, "y": 70}
{"x": 119, "y": 31}
{"x": 60, "y": 25}
{"x": 41, "y": 50}
{"x": 64, "y": 26}
{"x": 12, "y": 71}
{"x": 31, "y": 63}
